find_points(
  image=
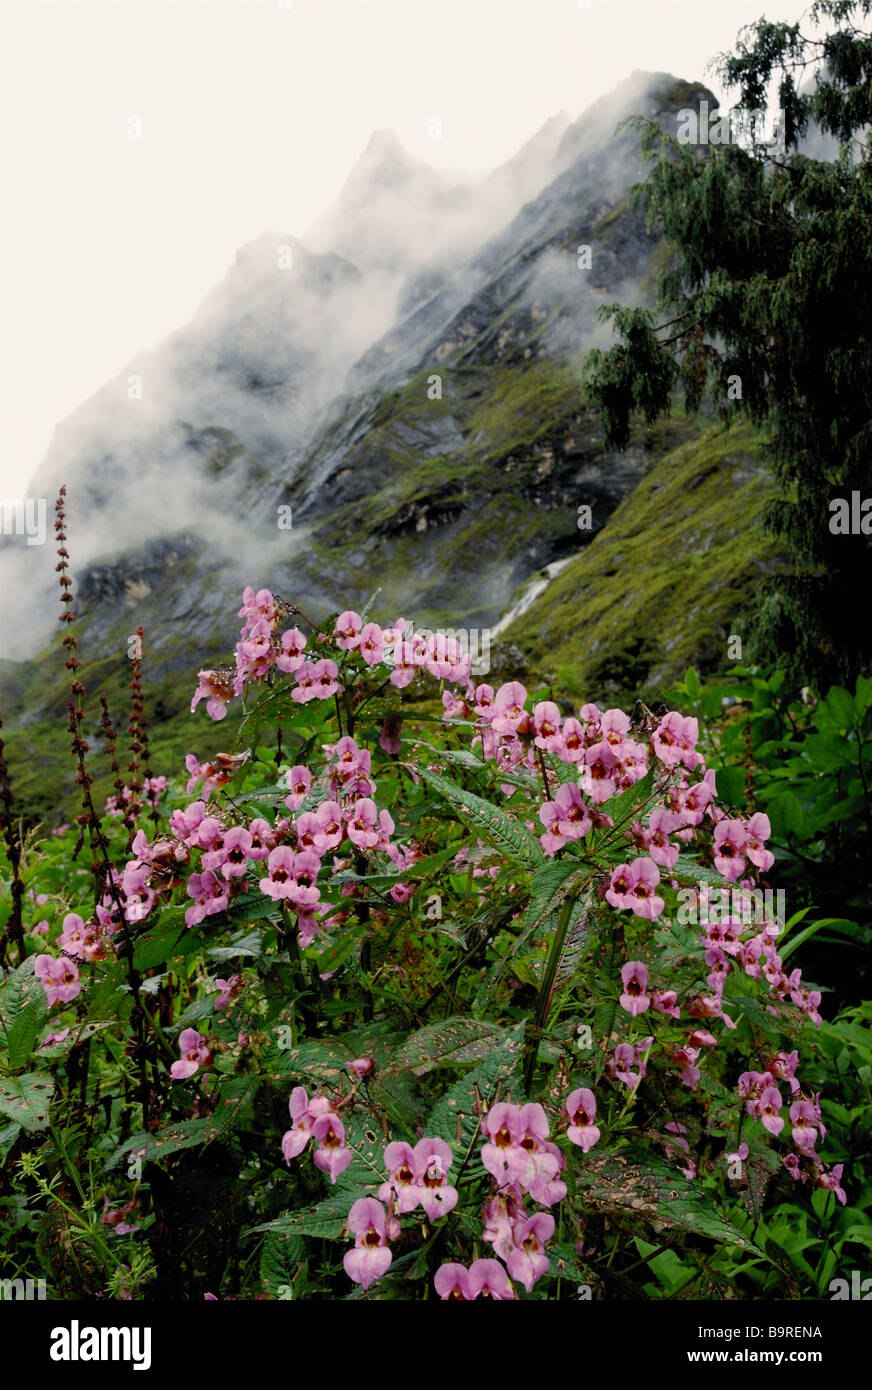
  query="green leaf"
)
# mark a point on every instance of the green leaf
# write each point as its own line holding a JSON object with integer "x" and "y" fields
{"x": 21, "y": 990}
{"x": 235, "y": 1094}
{"x": 8, "y": 1135}
{"x": 252, "y": 907}
{"x": 279, "y": 1262}
{"x": 25, "y": 1099}
{"x": 24, "y": 1032}
{"x": 495, "y": 825}
{"x": 242, "y": 944}
{"x": 785, "y": 815}
{"x": 632, "y": 1183}
{"x": 456, "y": 1040}
{"x": 730, "y": 783}
{"x": 691, "y": 681}
{"x": 166, "y": 942}
{"x": 839, "y": 706}
{"x": 326, "y": 1220}
{"x": 502, "y": 1067}
{"x": 841, "y": 926}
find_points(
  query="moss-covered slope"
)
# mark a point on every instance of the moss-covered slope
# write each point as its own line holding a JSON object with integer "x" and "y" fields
{"x": 671, "y": 578}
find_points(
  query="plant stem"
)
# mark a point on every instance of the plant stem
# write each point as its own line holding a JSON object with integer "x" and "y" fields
{"x": 545, "y": 990}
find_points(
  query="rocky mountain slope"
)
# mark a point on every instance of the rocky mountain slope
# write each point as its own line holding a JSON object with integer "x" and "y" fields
{"x": 407, "y": 382}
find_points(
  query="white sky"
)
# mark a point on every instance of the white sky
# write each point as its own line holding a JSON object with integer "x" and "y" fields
{"x": 252, "y": 116}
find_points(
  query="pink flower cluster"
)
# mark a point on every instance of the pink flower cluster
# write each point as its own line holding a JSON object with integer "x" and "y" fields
{"x": 262, "y": 648}
{"x": 737, "y": 840}
{"x": 756, "y": 955}
{"x": 316, "y": 1119}
{"x": 439, "y": 655}
{"x": 763, "y": 1101}
{"x": 419, "y": 1177}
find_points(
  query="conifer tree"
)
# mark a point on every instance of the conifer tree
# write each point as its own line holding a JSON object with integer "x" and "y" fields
{"x": 767, "y": 313}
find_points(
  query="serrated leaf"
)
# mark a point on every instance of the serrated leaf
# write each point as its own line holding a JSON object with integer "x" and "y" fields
{"x": 495, "y": 825}
{"x": 252, "y": 907}
{"x": 165, "y": 942}
{"x": 24, "y": 1032}
{"x": 688, "y": 871}
{"x": 279, "y": 1261}
{"x": 25, "y": 1099}
{"x": 20, "y": 989}
{"x": 456, "y": 1040}
{"x": 502, "y": 1067}
{"x": 326, "y": 1220}
{"x": 249, "y": 944}
{"x": 631, "y": 1183}
{"x": 8, "y": 1135}
{"x": 235, "y": 1093}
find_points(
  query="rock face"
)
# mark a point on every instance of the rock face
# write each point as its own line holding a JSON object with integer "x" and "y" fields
{"x": 412, "y": 398}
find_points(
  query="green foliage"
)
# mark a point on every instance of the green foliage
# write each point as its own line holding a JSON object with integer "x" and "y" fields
{"x": 770, "y": 287}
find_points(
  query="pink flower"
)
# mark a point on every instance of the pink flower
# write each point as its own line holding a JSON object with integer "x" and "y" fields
{"x": 572, "y": 743}
{"x": 452, "y": 1281}
{"x": 770, "y": 1104}
{"x": 304, "y": 1113}
{"x": 488, "y": 1279}
{"x": 59, "y": 977}
{"x": 674, "y": 740}
{"x": 665, "y": 1001}
{"x": 74, "y": 935}
{"x": 301, "y": 890}
{"x": 299, "y": 779}
{"x": 219, "y": 690}
{"x": 328, "y": 831}
{"x": 833, "y": 1180}
{"x": 508, "y": 708}
{"x": 599, "y": 772}
{"x": 331, "y": 1156}
{"x": 362, "y": 823}
{"x": 635, "y": 979}
{"x": 370, "y": 1257}
{"x": 528, "y": 1262}
{"x": 419, "y": 1177}
{"x": 625, "y": 1057}
{"x": 195, "y": 1054}
{"x": 433, "y": 1158}
{"x": 642, "y": 898}
{"x": 291, "y": 657}
{"x": 370, "y": 644}
{"x": 260, "y": 606}
{"x": 210, "y": 896}
{"x": 280, "y": 867}
{"x": 361, "y": 1066}
{"x": 400, "y": 1162}
{"x": 729, "y": 849}
{"x": 546, "y": 722}
{"x": 347, "y": 630}
{"x": 623, "y": 880}
{"x": 757, "y": 830}
{"x": 581, "y": 1109}
{"x": 324, "y": 680}
{"x": 660, "y": 823}
{"x": 237, "y": 844}
{"x": 228, "y": 991}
